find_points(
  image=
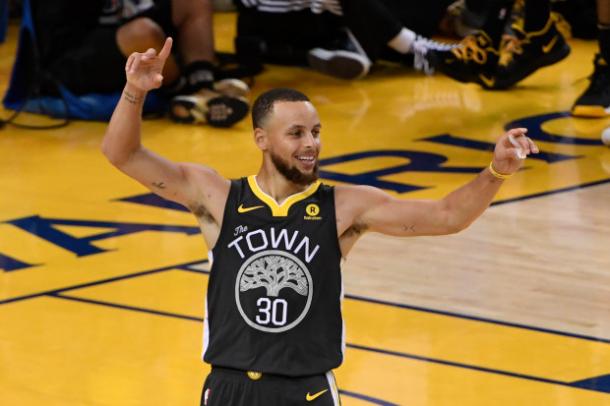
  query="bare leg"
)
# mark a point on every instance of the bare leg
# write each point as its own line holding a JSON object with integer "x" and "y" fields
{"x": 194, "y": 21}
{"x": 140, "y": 34}
{"x": 603, "y": 12}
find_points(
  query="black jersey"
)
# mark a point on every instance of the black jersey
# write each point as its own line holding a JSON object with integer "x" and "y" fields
{"x": 275, "y": 290}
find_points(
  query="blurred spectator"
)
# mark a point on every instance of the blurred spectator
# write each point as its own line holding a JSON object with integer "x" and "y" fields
{"x": 85, "y": 45}
{"x": 495, "y": 61}
{"x": 341, "y": 38}
{"x": 595, "y": 101}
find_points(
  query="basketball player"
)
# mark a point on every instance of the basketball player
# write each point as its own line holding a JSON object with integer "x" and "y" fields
{"x": 273, "y": 325}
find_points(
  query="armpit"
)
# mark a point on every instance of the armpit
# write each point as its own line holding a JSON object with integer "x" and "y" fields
{"x": 355, "y": 230}
{"x": 202, "y": 213}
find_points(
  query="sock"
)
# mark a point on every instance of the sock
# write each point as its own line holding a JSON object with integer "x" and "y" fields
{"x": 537, "y": 13}
{"x": 403, "y": 42}
{"x": 497, "y": 16}
{"x": 198, "y": 75}
{"x": 604, "y": 41}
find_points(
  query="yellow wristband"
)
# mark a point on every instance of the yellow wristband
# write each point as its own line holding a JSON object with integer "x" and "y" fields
{"x": 498, "y": 174}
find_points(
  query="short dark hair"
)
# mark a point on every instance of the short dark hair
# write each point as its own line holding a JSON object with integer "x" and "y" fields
{"x": 263, "y": 105}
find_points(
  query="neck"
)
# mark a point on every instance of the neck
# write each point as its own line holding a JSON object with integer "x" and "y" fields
{"x": 276, "y": 185}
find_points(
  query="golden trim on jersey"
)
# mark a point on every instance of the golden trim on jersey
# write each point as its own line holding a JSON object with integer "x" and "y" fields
{"x": 281, "y": 210}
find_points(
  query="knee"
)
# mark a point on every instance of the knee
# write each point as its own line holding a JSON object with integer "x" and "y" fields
{"x": 139, "y": 35}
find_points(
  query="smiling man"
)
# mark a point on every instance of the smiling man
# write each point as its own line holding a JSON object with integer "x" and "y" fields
{"x": 273, "y": 326}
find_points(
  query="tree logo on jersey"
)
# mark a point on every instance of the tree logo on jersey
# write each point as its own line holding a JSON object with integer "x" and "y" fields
{"x": 273, "y": 291}
{"x": 274, "y": 273}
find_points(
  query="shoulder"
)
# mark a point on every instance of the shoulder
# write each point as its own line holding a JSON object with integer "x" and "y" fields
{"x": 353, "y": 201}
{"x": 358, "y": 195}
{"x": 205, "y": 176}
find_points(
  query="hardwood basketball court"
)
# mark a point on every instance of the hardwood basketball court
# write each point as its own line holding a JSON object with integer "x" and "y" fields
{"x": 102, "y": 289}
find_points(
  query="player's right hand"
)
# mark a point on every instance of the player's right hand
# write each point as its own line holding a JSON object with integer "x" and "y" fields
{"x": 144, "y": 70}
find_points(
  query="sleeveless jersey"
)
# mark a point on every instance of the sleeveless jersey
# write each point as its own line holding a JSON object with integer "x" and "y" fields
{"x": 274, "y": 293}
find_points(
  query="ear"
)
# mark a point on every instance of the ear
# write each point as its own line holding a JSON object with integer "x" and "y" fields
{"x": 261, "y": 139}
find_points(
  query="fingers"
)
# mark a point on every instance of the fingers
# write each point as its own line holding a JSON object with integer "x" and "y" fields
{"x": 158, "y": 79}
{"x": 129, "y": 62}
{"x": 149, "y": 54}
{"x": 167, "y": 47}
{"x": 533, "y": 146}
{"x": 137, "y": 57}
{"x": 523, "y": 145}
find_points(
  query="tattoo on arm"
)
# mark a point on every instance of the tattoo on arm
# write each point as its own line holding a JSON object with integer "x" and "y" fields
{"x": 409, "y": 228}
{"x": 131, "y": 98}
{"x": 159, "y": 185}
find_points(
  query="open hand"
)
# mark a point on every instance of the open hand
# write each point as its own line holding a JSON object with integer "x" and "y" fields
{"x": 144, "y": 70}
{"x": 511, "y": 149}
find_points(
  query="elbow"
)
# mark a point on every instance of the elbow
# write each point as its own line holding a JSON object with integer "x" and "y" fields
{"x": 454, "y": 228}
{"x": 115, "y": 157}
{"x": 112, "y": 157}
{"x": 454, "y": 222}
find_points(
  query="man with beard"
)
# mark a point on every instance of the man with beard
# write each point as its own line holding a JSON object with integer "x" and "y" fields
{"x": 273, "y": 329}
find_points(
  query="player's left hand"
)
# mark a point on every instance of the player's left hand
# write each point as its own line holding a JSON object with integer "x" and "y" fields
{"x": 512, "y": 149}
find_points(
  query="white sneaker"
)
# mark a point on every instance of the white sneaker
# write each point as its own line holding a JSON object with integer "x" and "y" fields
{"x": 347, "y": 62}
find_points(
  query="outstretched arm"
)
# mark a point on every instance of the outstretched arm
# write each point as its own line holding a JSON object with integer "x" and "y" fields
{"x": 178, "y": 182}
{"x": 383, "y": 213}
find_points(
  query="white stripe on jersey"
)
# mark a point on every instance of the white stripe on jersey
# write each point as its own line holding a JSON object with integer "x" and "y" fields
{"x": 334, "y": 391}
{"x": 287, "y": 6}
{"x": 342, "y": 322}
{"x": 206, "y": 324}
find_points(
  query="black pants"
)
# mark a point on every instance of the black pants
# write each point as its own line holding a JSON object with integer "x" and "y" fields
{"x": 231, "y": 387}
{"x": 283, "y": 38}
{"x": 375, "y": 22}
{"x": 288, "y": 36}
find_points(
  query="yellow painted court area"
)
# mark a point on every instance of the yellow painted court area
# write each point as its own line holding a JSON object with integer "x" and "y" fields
{"x": 102, "y": 291}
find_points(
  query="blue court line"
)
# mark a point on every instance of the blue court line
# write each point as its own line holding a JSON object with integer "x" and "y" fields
{"x": 451, "y": 314}
{"x": 125, "y": 307}
{"x": 185, "y": 267}
{"x": 551, "y": 192}
{"x": 99, "y": 282}
{"x": 480, "y": 319}
{"x": 585, "y": 384}
{"x": 360, "y": 396}
{"x": 366, "y": 398}
{"x": 576, "y": 385}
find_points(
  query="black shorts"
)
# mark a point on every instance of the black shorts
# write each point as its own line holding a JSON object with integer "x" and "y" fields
{"x": 232, "y": 387}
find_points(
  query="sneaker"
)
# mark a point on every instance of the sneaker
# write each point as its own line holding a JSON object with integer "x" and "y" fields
{"x": 595, "y": 101}
{"x": 473, "y": 60}
{"x": 421, "y": 47}
{"x": 222, "y": 107}
{"x": 526, "y": 52}
{"x": 346, "y": 61}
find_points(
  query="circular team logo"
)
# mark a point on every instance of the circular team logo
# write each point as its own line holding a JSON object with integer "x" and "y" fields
{"x": 273, "y": 291}
{"x": 312, "y": 209}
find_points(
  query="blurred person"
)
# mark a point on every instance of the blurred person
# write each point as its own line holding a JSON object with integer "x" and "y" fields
{"x": 89, "y": 53}
{"x": 595, "y": 100}
{"x": 342, "y": 38}
{"x": 495, "y": 61}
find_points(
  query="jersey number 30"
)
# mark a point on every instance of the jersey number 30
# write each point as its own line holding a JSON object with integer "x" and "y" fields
{"x": 272, "y": 311}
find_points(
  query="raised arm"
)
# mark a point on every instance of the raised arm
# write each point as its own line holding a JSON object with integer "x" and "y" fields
{"x": 179, "y": 182}
{"x": 366, "y": 208}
